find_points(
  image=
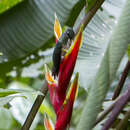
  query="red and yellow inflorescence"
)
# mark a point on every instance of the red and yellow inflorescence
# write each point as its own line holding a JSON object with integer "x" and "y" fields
{"x": 62, "y": 102}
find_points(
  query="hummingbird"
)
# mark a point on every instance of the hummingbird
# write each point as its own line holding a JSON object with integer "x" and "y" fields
{"x": 67, "y": 35}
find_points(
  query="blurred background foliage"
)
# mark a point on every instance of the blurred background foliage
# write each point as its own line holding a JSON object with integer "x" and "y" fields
{"x": 7, "y": 4}
{"x": 27, "y": 41}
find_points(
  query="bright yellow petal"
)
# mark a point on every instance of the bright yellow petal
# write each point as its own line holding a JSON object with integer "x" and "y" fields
{"x": 57, "y": 28}
{"x": 48, "y": 123}
{"x": 48, "y": 75}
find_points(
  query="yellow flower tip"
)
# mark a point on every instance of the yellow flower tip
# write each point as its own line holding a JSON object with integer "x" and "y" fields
{"x": 76, "y": 77}
{"x": 48, "y": 123}
{"x": 81, "y": 31}
{"x": 74, "y": 85}
{"x": 57, "y": 28}
{"x": 48, "y": 75}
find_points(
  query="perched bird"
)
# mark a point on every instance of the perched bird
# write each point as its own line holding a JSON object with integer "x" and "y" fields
{"x": 57, "y": 53}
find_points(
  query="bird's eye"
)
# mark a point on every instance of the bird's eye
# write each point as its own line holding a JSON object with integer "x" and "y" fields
{"x": 70, "y": 33}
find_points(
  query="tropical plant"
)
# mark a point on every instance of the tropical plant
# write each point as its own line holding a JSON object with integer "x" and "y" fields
{"x": 27, "y": 41}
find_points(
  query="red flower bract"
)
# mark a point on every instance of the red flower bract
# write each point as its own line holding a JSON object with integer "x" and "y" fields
{"x": 67, "y": 65}
{"x": 65, "y": 112}
{"x": 62, "y": 104}
{"x": 48, "y": 123}
{"x": 52, "y": 86}
{"x": 57, "y": 90}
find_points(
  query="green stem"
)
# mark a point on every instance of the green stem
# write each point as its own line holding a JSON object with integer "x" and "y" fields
{"x": 89, "y": 15}
{"x": 121, "y": 81}
{"x": 90, "y": 4}
{"x": 122, "y": 124}
{"x": 119, "y": 105}
{"x": 104, "y": 113}
{"x": 35, "y": 108}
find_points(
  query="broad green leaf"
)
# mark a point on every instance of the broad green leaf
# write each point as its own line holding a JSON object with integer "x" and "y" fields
{"x": 7, "y": 92}
{"x": 6, "y": 119}
{"x": 29, "y": 26}
{"x": 117, "y": 78}
{"x": 48, "y": 109}
{"x": 7, "y": 95}
{"x": 7, "y": 4}
{"x": 21, "y": 106}
{"x": 128, "y": 52}
{"x": 117, "y": 3}
{"x": 20, "y": 109}
{"x": 95, "y": 40}
{"x": 114, "y": 53}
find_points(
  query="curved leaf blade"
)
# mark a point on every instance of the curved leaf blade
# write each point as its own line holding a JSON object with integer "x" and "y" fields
{"x": 29, "y": 25}
{"x": 106, "y": 73}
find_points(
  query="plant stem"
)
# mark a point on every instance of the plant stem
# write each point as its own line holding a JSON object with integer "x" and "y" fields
{"x": 122, "y": 124}
{"x": 104, "y": 113}
{"x": 119, "y": 105}
{"x": 86, "y": 19}
{"x": 122, "y": 80}
{"x": 88, "y": 16}
{"x": 35, "y": 108}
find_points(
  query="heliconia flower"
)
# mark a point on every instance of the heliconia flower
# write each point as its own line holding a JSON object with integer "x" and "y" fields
{"x": 57, "y": 89}
{"x": 52, "y": 86}
{"x": 65, "y": 112}
{"x": 57, "y": 29}
{"x": 48, "y": 123}
{"x": 68, "y": 63}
